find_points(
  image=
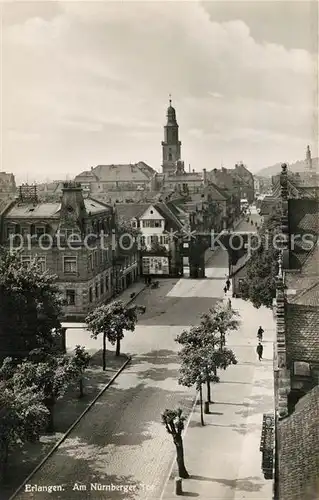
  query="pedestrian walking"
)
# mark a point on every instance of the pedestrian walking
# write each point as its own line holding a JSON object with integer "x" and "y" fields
{"x": 228, "y": 284}
{"x": 229, "y": 304}
{"x": 225, "y": 289}
{"x": 260, "y": 334}
{"x": 259, "y": 351}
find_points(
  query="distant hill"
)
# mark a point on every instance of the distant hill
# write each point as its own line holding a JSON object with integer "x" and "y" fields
{"x": 298, "y": 166}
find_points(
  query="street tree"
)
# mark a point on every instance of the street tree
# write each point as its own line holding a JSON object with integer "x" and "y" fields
{"x": 30, "y": 306}
{"x": 22, "y": 418}
{"x": 197, "y": 368}
{"x": 49, "y": 377}
{"x": 218, "y": 321}
{"x": 111, "y": 321}
{"x": 208, "y": 339}
{"x": 79, "y": 362}
{"x": 259, "y": 284}
{"x": 174, "y": 421}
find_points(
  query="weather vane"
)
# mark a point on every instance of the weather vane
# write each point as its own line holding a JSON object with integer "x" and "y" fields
{"x": 170, "y": 99}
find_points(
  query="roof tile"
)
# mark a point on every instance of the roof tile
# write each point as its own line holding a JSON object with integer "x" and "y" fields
{"x": 298, "y": 450}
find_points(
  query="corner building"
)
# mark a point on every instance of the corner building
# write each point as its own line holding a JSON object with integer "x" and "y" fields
{"x": 66, "y": 238}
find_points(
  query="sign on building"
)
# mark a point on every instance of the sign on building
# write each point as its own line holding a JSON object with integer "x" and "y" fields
{"x": 155, "y": 265}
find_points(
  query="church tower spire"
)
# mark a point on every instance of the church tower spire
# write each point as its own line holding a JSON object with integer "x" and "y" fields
{"x": 171, "y": 146}
{"x": 308, "y": 158}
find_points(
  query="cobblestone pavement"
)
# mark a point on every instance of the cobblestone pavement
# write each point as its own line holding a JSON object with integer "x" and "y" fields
{"x": 121, "y": 442}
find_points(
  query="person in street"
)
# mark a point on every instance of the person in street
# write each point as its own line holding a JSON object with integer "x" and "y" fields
{"x": 225, "y": 289}
{"x": 228, "y": 284}
{"x": 259, "y": 350}
{"x": 229, "y": 304}
{"x": 260, "y": 334}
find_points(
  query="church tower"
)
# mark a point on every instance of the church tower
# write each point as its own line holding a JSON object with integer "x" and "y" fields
{"x": 171, "y": 146}
{"x": 308, "y": 159}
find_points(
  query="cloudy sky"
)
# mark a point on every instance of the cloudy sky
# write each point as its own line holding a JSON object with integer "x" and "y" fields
{"x": 87, "y": 83}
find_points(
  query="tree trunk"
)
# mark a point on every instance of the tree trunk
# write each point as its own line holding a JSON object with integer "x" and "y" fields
{"x": 208, "y": 391}
{"x": 182, "y": 472}
{"x": 81, "y": 387}
{"x": 201, "y": 405}
{"x": 118, "y": 346}
{"x": 104, "y": 352}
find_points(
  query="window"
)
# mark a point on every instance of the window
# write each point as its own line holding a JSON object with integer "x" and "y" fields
{"x": 152, "y": 223}
{"x": 90, "y": 262}
{"x": 152, "y": 240}
{"x": 91, "y": 294}
{"x": 164, "y": 240}
{"x": 25, "y": 260}
{"x": 143, "y": 241}
{"x": 41, "y": 262}
{"x": 39, "y": 230}
{"x": 102, "y": 287}
{"x": 106, "y": 283}
{"x": 134, "y": 223}
{"x": 95, "y": 258}
{"x": 10, "y": 231}
{"x": 97, "y": 290}
{"x": 69, "y": 265}
{"x": 70, "y": 297}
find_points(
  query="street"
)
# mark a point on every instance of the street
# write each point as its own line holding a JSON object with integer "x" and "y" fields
{"x": 121, "y": 444}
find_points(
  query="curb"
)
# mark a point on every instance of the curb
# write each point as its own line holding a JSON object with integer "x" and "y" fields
{"x": 136, "y": 295}
{"x": 70, "y": 429}
{"x": 174, "y": 459}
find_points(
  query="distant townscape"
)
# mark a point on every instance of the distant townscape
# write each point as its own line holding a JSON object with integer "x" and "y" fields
{"x": 200, "y": 277}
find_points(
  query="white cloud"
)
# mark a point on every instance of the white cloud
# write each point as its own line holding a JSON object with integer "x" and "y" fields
{"x": 108, "y": 67}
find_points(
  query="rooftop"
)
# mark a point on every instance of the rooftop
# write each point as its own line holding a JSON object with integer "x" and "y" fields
{"x": 50, "y": 210}
{"x": 137, "y": 172}
{"x": 298, "y": 452}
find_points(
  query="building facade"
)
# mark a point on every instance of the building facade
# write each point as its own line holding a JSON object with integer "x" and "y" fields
{"x": 160, "y": 231}
{"x": 75, "y": 239}
{"x": 118, "y": 182}
{"x": 296, "y": 351}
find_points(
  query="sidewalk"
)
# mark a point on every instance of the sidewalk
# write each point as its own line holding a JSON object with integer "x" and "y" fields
{"x": 125, "y": 296}
{"x": 223, "y": 457}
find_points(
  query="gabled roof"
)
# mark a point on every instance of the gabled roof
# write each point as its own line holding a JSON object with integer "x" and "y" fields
{"x": 94, "y": 206}
{"x": 138, "y": 172}
{"x": 168, "y": 215}
{"x": 303, "y": 219}
{"x": 127, "y": 211}
{"x": 86, "y": 175}
{"x": 216, "y": 193}
{"x": 298, "y": 450}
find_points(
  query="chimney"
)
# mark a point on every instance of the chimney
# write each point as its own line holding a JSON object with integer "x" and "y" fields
{"x": 73, "y": 210}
